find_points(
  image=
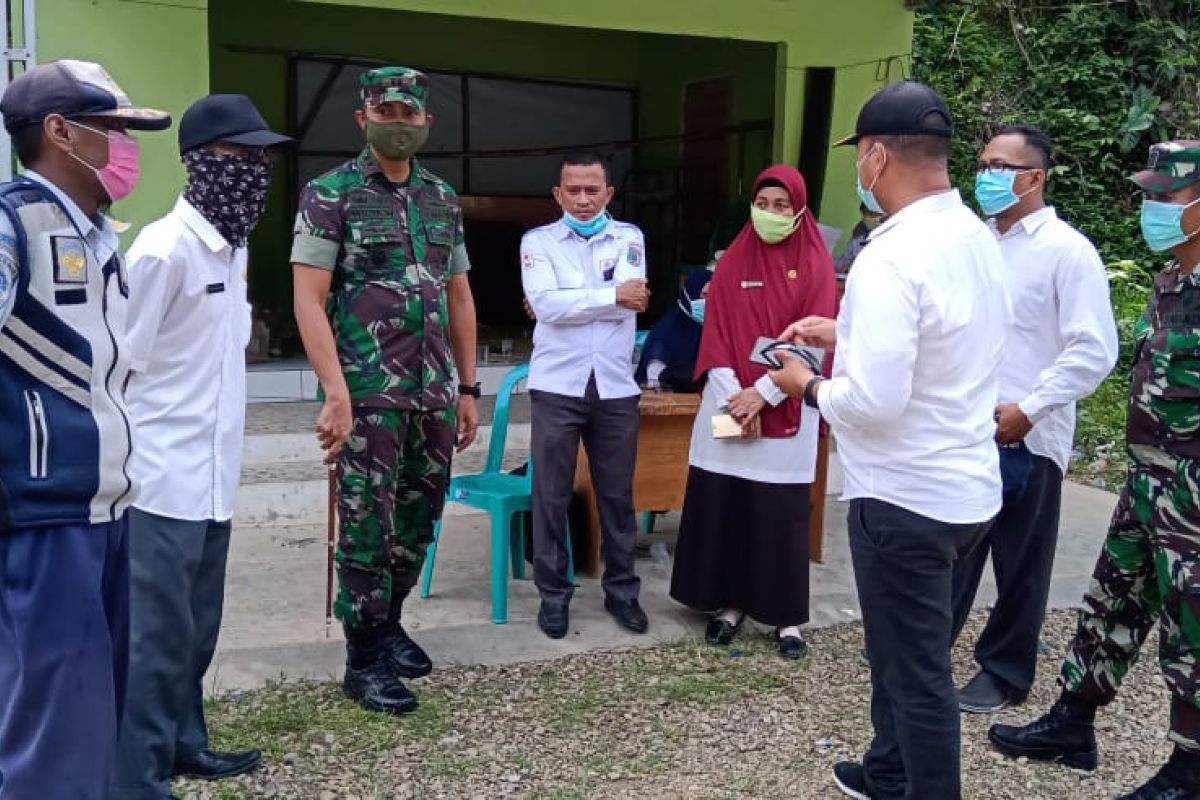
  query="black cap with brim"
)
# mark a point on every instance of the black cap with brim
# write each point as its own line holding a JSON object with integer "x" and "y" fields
{"x": 228, "y": 118}
{"x": 903, "y": 108}
{"x": 74, "y": 89}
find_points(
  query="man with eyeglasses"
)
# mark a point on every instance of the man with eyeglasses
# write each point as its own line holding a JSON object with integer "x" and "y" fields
{"x": 65, "y": 431}
{"x": 585, "y": 278}
{"x": 1148, "y": 572}
{"x": 385, "y": 309}
{"x": 190, "y": 324}
{"x": 1062, "y": 344}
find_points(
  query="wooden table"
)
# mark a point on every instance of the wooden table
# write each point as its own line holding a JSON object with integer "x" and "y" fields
{"x": 665, "y": 423}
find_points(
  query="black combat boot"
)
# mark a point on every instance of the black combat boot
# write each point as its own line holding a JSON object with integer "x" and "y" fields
{"x": 1066, "y": 734}
{"x": 1179, "y": 779}
{"x": 405, "y": 656}
{"x": 369, "y": 678}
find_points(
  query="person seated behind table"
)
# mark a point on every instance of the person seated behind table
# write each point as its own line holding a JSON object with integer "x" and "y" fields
{"x": 669, "y": 354}
{"x": 858, "y": 240}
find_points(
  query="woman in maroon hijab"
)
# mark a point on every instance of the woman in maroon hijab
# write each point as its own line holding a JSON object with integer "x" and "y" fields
{"x": 743, "y": 538}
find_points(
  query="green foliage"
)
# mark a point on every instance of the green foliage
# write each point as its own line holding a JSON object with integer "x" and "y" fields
{"x": 1105, "y": 80}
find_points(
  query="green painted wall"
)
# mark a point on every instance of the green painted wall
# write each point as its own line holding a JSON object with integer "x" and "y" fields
{"x": 157, "y": 51}
{"x": 160, "y": 52}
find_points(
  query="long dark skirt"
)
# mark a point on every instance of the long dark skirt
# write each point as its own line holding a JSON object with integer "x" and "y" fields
{"x": 743, "y": 544}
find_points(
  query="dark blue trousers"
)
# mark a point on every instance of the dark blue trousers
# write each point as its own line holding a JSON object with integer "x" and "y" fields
{"x": 64, "y": 644}
{"x": 177, "y": 596}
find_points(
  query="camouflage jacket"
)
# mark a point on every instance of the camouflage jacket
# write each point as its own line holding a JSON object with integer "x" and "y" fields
{"x": 392, "y": 250}
{"x": 1164, "y": 394}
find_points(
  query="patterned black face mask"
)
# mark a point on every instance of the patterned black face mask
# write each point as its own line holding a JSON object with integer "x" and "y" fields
{"x": 229, "y": 190}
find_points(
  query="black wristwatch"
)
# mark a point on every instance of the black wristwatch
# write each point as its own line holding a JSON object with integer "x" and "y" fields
{"x": 470, "y": 390}
{"x": 810, "y": 391}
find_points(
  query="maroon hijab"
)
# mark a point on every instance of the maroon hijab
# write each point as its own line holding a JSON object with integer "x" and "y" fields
{"x": 759, "y": 289}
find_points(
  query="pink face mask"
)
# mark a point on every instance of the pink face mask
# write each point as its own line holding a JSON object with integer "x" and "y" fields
{"x": 120, "y": 174}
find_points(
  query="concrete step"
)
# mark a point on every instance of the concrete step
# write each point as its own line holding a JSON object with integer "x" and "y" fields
{"x": 284, "y": 482}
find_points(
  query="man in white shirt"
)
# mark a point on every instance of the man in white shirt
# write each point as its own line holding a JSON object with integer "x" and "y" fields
{"x": 585, "y": 277}
{"x": 919, "y": 339}
{"x": 188, "y": 335}
{"x": 1062, "y": 344}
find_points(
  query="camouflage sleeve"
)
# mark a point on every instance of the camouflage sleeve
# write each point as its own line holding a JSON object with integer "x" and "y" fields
{"x": 318, "y": 230}
{"x": 460, "y": 262}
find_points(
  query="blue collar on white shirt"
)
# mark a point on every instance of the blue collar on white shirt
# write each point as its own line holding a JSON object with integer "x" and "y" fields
{"x": 934, "y": 202}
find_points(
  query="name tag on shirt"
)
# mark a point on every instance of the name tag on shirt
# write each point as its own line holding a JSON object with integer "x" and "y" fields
{"x": 214, "y": 288}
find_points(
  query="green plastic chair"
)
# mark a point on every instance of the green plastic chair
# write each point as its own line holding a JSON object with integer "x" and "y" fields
{"x": 505, "y": 497}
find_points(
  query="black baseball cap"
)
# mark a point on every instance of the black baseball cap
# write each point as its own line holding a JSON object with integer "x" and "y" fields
{"x": 903, "y": 108}
{"x": 73, "y": 89}
{"x": 226, "y": 118}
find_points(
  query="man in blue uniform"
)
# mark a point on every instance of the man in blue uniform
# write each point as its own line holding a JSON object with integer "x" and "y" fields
{"x": 64, "y": 479}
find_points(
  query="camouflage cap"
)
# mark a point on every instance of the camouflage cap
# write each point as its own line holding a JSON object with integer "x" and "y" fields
{"x": 394, "y": 84}
{"x": 1172, "y": 165}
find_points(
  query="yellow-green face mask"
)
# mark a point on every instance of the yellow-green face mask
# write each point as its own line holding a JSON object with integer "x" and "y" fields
{"x": 773, "y": 228}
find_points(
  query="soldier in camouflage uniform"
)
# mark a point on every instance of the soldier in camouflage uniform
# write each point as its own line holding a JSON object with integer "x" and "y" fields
{"x": 1149, "y": 569}
{"x": 385, "y": 310}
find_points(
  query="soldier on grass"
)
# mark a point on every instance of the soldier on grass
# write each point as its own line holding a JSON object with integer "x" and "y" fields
{"x": 388, "y": 321}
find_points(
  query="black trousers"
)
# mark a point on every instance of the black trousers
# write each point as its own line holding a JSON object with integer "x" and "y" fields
{"x": 1022, "y": 542}
{"x": 177, "y": 595}
{"x": 608, "y": 429}
{"x": 903, "y": 567}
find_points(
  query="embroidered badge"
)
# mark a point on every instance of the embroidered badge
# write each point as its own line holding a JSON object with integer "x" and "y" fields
{"x": 607, "y": 267}
{"x": 634, "y": 255}
{"x": 791, "y": 274}
{"x": 526, "y": 260}
{"x": 70, "y": 259}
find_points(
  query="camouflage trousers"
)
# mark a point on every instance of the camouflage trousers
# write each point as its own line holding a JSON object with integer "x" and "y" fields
{"x": 392, "y": 479}
{"x": 1147, "y": 573}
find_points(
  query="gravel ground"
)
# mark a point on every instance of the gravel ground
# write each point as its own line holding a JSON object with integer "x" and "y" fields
{"x": 678, "y": 721}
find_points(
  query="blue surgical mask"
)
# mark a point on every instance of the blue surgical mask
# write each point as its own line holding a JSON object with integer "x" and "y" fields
{"x": 867, "y": 196}
{"x": 697, "y": 311}
{"x": 1162, "y": 224}
{"x": 589, "y": 228}
{"x": 994, "y": 191}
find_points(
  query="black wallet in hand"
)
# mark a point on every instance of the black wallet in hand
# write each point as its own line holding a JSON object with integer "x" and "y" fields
{"x": 767, "y": 352}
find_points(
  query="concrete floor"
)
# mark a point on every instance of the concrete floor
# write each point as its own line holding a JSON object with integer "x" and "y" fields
{"x": 274, "y": 612}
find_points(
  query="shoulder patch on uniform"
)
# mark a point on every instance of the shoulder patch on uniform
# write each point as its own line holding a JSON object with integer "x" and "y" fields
{"x": 70, "y": 259}
{"x": 634, "y": 254}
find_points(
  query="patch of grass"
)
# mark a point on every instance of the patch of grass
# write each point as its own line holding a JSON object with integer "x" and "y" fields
{"x": 292, "y": 718}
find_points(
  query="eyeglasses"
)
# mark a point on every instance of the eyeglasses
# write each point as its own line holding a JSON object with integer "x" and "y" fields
{"x": 1002, "y": 166}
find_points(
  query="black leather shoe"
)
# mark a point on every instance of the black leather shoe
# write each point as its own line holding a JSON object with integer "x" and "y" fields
{"x": 849, "y": 777}
{"x": 1179, "y": 779}
{"x": 1059, "y": 735}
{"x": 211, "y": 765}
{"x": 405, "y": 656}
{"x": 375, "y": 688}
{"x": 793, "y": 647}
{"x": 628, "y": 614}
{"x": 986, "y": 694}
{"x": 554, "y": 619}
{"x": 721, "y": 631}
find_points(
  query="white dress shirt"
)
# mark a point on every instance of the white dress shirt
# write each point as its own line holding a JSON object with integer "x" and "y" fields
{"x": 571, "y": 283}
{"x": 190, "y": 326}
{"x": 1063, "y": 341}
{"x": 920, "y": 337}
